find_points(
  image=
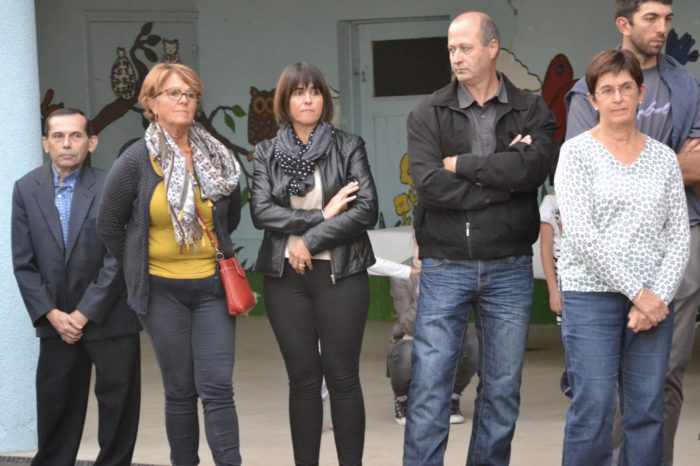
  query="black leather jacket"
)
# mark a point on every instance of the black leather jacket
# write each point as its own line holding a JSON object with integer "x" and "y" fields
{"x": 345, "y": 235}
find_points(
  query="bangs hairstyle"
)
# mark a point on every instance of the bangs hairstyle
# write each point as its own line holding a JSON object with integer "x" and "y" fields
{"x": 155, "y": 80}
{"x": 293, "y": 76}
{"x": 615, "y": 62}
{"x": 65, "y": 112}
{"x": 627, "y": 8}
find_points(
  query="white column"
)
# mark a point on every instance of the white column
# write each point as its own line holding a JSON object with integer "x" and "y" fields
{"x": 21, "y": 151}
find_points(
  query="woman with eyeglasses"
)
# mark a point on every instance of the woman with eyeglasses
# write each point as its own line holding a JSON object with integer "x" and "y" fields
{"x": 163, "y": 198}
{"x": 624, "y": 250}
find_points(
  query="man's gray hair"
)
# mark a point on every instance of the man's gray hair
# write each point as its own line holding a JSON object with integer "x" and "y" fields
{"x": 489, "y": 31}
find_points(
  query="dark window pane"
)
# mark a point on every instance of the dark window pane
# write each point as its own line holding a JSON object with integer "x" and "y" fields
{"x": 410, "y": 66}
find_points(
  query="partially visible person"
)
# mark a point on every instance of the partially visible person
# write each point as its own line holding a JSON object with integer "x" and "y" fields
{"x": 479, "y": 149}
{"x": 669, "y": 113}
{"x": 550, "y": 249}
{"x": 404, "y": 289}
{"x": 624, "y": 250}
{"x": 314, "y": 197}
{"x": 74, "y": 292}
{"x": 163, "y": 195}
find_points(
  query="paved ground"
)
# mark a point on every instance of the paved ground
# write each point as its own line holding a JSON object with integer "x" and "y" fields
{"x": 261, "y": 399}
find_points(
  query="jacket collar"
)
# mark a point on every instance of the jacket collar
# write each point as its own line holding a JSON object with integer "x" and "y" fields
{"x": 83, "y": 198}
{"x": 447, "y": 96}
{"x": 44, "y": 196}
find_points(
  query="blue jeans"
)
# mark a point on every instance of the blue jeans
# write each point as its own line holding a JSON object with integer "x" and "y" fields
{"x": 602, "y": 357}
{"x": 193, "y": 337}
{"x": 500, "y": 291}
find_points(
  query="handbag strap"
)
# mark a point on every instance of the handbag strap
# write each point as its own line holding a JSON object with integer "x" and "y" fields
{"x": 212, "y": 240}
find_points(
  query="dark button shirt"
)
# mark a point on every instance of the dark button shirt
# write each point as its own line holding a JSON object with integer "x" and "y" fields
{"x": 482, "y": 119}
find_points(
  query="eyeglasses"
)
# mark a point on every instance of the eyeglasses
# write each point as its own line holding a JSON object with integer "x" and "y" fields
{"x": 175, "y": 94}
{"x": 626, "y": 90}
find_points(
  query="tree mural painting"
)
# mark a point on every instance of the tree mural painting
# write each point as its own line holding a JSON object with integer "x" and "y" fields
{"x": 127, "y": 75}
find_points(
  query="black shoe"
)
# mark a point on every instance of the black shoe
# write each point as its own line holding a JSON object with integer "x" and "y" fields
{"x": 455, "y": 412}
{"x": 400, "y": 405}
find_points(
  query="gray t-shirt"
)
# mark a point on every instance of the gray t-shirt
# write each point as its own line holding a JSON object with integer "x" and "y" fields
{"x": 653, "y": 117}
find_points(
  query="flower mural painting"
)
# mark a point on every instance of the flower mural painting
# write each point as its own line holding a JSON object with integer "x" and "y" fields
{"x": 404, "y": 203}
{"x": 402, "y": 206}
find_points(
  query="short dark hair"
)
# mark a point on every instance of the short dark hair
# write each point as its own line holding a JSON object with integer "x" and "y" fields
{"x": 292, "y": 77}
{"x": 489, "y": 31}
{"x": 613, "y": 61}
{"x": 64, "y": 112}
{"x": 627, "y": 8}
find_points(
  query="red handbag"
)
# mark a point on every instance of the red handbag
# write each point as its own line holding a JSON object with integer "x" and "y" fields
{"x": 239, "y": 296}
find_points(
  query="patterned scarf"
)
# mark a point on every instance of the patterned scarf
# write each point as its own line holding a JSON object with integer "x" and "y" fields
{"x": 297, "y": 160}
{"x": 215, "y": 170}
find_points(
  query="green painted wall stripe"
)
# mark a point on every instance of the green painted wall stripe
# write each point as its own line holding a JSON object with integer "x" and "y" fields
{"x": 382, "y": 307}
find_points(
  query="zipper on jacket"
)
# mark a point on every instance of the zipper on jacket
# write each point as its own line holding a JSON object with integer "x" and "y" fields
{"x": 467, "y": 231}
{"x": 323, "y": 204}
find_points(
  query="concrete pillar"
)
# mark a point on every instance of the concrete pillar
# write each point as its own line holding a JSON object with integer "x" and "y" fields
{"x": 21, "y": 151}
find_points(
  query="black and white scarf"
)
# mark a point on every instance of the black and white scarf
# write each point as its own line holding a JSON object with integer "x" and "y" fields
{"x": 216, "y": 171}
{"x": 298, "y": 160}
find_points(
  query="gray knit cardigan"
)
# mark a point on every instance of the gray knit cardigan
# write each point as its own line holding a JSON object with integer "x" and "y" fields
{"x": 124, "y": 217}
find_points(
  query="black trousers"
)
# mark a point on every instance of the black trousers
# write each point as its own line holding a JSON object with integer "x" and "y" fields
{"x": 303, "y": 311}
{"x": 62, "y": 389}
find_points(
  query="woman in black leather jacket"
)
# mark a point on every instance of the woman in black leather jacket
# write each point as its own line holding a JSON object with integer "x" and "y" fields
{"x": 314, "y": 196}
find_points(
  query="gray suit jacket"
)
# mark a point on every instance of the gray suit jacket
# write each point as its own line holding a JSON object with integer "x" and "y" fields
{"x": 81, "y": 275}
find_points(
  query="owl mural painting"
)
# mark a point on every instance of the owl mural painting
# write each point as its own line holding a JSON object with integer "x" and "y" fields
{"x": 123, "y": 76}
{"x": 261, "y": 117}
{"x": 170, "y": 51}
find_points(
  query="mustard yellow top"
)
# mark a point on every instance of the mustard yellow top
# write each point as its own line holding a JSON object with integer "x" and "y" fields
{"x": 165, "y": 257}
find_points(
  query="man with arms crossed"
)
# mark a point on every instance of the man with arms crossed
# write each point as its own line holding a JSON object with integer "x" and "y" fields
{"x": 670, "y": 113}
{"x": 75, "y": 294}
{"x": 479, "y": 149}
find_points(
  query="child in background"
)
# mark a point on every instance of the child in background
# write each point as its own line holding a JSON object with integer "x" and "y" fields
{"x": 404, "y": 292}
{"x": 550, "y": 247}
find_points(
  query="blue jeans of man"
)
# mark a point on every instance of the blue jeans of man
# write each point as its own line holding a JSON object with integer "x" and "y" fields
{"x": 500, "y": 291}
{"x": 602, "y": 358}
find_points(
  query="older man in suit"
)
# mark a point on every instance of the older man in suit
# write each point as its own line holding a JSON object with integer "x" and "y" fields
{"x": 75, "y": 294}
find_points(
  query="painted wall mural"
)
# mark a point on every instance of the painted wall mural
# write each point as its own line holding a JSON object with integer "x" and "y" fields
{"x": 558, "y": 79}
{"x": 680, "y": 47}
{"x": 261, "y": 116}
{"x": 132, "y": 63}
{"x": 405, "y": 203}
{"x": 126, "y": 78}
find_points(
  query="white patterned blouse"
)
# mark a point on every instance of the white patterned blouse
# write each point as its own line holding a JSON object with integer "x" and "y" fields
{"x": 625, "y": 226}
